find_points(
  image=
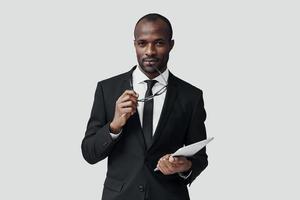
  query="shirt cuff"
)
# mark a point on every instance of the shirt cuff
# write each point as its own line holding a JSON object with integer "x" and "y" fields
{"x": 183, "y": 175}
{"x": 115, "y": 136}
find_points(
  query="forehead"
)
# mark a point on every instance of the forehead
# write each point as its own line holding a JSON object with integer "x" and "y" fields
{"x": 151, "y": 29}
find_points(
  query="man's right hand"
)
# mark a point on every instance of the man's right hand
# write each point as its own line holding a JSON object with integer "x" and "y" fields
{"x": 125, "y": 107}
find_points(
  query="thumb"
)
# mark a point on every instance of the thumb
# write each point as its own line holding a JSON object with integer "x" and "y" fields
{"x": 172, "y": 159}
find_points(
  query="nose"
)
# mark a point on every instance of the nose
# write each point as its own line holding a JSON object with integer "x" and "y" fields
{"x": 150, "y": 50}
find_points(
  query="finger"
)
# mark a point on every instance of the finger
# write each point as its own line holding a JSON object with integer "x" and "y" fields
{"x": 167, "y": 166}
{"x": 128, "y": 104}
{"x": 170, "y": 169}
{"x": 160, "y": 169}
{"x": 181, "y": 160}
{"x": 128, "y": 110}
{"x": 165, "y": 157}
{"x": 127, "y": 98}
{"x": 178, "y": 160}
{"x": 163, "y": 168}
{"x": 127, "y": 115}
{"x": 161, "y": 165}
{"x": 129, "y": 92}
{"x": 174, "y": 168}
{"x": 136, "y": 94}
{"x": 172, "y": 159}
{"x": 124, "y": 115}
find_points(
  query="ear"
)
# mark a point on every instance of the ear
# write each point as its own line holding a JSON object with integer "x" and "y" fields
{"x": 172, "y": 42}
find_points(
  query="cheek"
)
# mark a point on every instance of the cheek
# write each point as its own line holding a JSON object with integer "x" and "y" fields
{"x": 139, "y": 53}
{"x": 163, "y": 53}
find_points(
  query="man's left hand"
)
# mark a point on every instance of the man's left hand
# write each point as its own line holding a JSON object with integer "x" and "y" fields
{"x": 171, "y": 165}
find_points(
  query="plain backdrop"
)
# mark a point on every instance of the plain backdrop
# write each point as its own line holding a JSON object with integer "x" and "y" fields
{"x": 244, "y": 55}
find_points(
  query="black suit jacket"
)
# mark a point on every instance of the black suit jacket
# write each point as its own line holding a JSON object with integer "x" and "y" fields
{"x": 130, "y": 166}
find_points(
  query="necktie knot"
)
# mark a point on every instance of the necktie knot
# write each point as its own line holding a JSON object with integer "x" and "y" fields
{"x": 150, "y": 84}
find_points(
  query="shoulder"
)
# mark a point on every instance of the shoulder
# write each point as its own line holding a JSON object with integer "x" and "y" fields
{"x": 189, "y": 97}
{"x": 115, "y": 80}
{"x": 185, "y": 88}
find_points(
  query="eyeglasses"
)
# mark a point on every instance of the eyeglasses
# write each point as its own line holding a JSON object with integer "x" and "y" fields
{"x": 159, "y": 92}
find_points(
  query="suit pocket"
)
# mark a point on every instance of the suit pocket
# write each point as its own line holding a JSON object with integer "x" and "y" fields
{"x": 113, "y": 184}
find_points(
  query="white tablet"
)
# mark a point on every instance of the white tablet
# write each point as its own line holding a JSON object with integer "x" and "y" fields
{"x": 190, "y": 150}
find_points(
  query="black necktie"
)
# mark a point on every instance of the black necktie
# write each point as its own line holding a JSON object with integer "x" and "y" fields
{"x": 148, "y": 114}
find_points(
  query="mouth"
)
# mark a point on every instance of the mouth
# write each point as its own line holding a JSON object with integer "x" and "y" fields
{"x": 150, "y": 61}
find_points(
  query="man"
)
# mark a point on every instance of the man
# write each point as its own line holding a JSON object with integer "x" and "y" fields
{"x": 140, "y": 117}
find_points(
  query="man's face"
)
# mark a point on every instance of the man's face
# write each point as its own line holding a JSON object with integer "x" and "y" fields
{"x": 152, "y": 45}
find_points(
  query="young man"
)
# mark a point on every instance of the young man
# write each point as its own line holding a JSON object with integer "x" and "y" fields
{"x": 140, "y": 117}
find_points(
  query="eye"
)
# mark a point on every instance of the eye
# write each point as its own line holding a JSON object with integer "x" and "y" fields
{"x": 141, "y": 43}
{"x": 160, "y": 43}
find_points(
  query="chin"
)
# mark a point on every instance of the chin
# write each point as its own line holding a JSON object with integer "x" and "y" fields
{"x": 149, "y": 69}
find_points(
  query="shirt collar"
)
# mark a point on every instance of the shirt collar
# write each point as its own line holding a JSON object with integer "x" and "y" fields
{"x": 139, "y": 77}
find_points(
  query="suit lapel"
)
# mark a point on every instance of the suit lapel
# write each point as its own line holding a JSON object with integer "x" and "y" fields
{"x": 166, "y": 110}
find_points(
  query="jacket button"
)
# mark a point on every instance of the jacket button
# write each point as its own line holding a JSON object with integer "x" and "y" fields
{"x": 141, "y": 188}
{"x": 105, "y": 143}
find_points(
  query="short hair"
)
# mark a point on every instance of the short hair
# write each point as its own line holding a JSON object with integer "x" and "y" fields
{"x": 152, "y": 17}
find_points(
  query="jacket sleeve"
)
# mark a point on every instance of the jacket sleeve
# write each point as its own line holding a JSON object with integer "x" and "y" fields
{"x": 197, "y": 132}
{"x": 97, "y": 143}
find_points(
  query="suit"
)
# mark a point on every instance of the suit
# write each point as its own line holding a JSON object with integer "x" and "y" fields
{"x": 130, "y": 165}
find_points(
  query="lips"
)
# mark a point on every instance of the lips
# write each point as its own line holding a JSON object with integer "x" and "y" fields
{"x": 150, "y": 61}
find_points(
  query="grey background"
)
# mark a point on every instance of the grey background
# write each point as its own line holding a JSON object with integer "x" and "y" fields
{"x": 244, "y": 55}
